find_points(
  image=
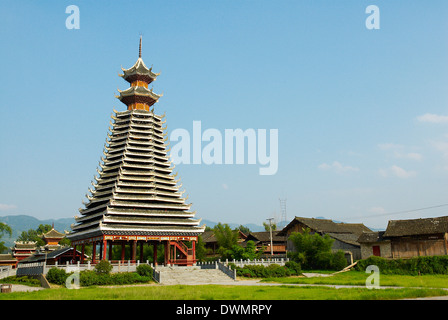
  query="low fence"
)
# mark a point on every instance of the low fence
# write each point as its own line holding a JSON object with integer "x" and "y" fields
{"x": 7, "y": 271}
{"x": 227, "y": 270}
{"x": 262, "y": 262}
{"x": 37, "y": 268}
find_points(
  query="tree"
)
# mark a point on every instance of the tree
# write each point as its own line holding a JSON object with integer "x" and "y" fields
{"x": 4, "y": 228}
{"x": 266, "y": 226}
{"x": 34, "y": 235}
{"x": 243, "y": 229}
{"x": 250, "y": 252}
{"x": 225, "y": 237}
{"x": 200, "y": 249}
{"x": 313, "y": 251}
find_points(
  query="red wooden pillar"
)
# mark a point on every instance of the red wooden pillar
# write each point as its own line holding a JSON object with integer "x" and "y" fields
{"x": 193, "y": 243}
{"x": 104, "y": 257}
{"x": 155, "y": 254}
{"x": 94, "y": 252}
{"x": 167, "y": 251}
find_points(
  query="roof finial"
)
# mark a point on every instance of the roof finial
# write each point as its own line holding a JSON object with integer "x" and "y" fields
{"x": 140, "y": 48}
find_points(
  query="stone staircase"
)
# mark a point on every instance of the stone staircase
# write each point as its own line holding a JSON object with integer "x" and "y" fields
{"x": 192, "y": 275}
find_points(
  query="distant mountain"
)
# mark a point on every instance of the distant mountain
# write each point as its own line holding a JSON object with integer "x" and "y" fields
{"x": 22, "y": 223}
{"x": 251, "y": 226}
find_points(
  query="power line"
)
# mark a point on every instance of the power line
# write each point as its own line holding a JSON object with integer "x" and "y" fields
{"x": 399, "y": 212}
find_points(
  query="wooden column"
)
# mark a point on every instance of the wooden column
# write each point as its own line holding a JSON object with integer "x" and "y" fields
{"x": 104, "y": 257}
{"x": 82, "y": 252}
{"x": 167, "y": 251}
{"x": 193, "y": 243}
{"x": 94, "y": 252}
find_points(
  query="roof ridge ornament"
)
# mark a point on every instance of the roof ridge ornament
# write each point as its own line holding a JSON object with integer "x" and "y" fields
{"x": 140, "y": 48}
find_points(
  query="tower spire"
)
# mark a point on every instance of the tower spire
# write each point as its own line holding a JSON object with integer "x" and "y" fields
{"x": 140, "y": 48}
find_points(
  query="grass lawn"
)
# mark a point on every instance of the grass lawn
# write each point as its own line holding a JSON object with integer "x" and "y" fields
{"x": 359, "y": 278}
{"x": 221, "y": 292}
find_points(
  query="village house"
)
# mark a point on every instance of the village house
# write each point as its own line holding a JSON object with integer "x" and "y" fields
{"x": 345, "y": 235}
{"x": 6, "y": 259}
{"x": 263, "y": 240}
{"x": 407, "y": 238}
{"x": 374, "y": 244}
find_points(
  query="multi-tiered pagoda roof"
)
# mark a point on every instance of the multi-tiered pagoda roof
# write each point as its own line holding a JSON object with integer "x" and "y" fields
{"x": 135, "y": 192}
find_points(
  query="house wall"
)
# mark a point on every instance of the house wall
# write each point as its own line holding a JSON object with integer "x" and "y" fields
{"x": 367, "y": 249}
{"x": 355, "y": 250}
{"x": 407, "y": 247}
{"x": 337, "y": 244}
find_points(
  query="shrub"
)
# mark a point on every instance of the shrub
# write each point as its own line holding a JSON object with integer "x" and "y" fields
{"x": 57, "y": 276}
{"x": 144, "y": 270}
{"x": 103, "y": 267}
{"x": 293, "y": 267}
{"x": 92, "y": 278}
{"x": 313, "y": 251}
{"x": 412, "y": 266}
{"x": 259, "y": 271}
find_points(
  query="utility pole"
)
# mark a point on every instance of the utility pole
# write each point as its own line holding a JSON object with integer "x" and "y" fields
{"x": 270, "y": 232}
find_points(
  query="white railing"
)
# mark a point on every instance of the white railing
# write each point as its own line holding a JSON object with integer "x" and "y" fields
{"x": 262, "y": 262}
{"x": 7, "y": 271}
{"x": 37, "y": 268}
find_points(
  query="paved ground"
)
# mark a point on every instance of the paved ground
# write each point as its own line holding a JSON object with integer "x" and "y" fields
{"x": 23, "y": 288}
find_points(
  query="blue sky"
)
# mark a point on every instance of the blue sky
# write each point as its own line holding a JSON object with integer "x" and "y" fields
{"x": 362, "y": 114}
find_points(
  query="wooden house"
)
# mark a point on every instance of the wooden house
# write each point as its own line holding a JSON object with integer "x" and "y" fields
{"x": 417, "y": 237}
{"x": 263, "y": 240}
{"x": 407, "y": 238}
{"x": 345, "y": 235}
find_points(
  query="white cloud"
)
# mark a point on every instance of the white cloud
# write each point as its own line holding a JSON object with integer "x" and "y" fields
{"x": 411, "y": 155}
{"x": 433, "y": 118}
{"x": 225, "y": 186}
{"x": 337, "y": 167}
{"x": 397, "y": 172}
{"x": 4, "y": 207}
{"x": 398, "y": 151}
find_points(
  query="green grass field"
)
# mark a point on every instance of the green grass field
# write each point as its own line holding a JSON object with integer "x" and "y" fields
{"x": 217, "y": 292}
{"x": 429, "y": 285}
{"x": 359, "y": 278}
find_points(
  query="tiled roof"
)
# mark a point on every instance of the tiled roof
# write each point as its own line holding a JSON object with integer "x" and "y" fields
{"x": 328, "y": 226}
{"x": 397, "y": 228}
